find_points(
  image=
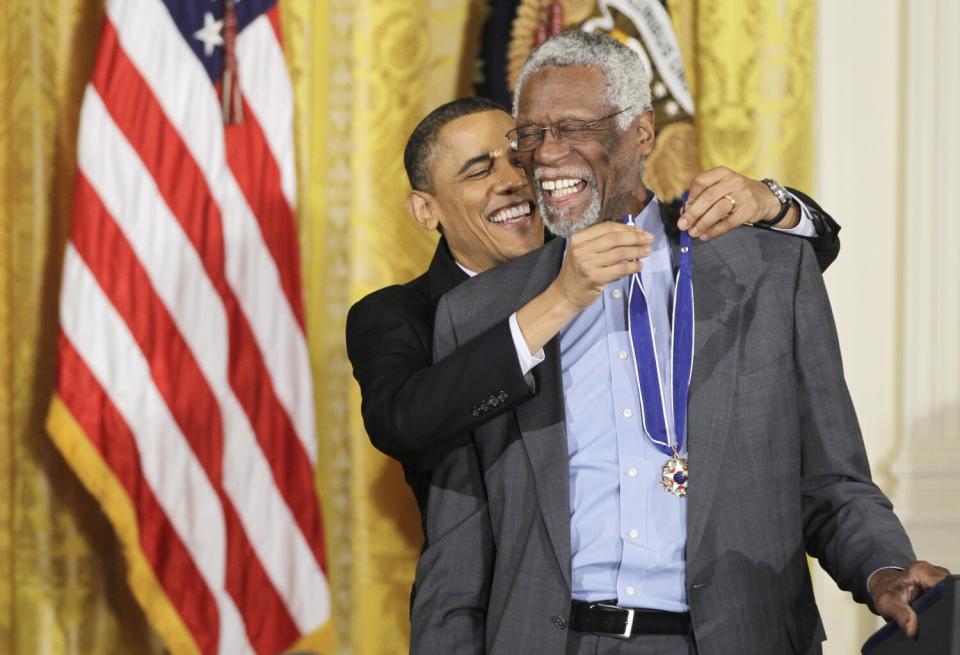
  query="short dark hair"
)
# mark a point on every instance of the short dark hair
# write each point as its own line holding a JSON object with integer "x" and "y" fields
{"x": 420, "y": 152}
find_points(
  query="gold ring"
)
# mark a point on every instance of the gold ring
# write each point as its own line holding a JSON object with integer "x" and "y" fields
{"x": 733, "y": 203}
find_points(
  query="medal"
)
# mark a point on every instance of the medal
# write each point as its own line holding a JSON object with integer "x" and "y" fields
{"x": 654, "y": 409}
{"x": 674, "y": 475}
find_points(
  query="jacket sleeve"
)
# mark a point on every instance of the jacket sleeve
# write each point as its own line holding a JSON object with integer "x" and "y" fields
{"x": 454, "y": 572}
{"x": 849, "y": 524}
{"x": 415, "y": 410}
{"x": 826, "y": 245}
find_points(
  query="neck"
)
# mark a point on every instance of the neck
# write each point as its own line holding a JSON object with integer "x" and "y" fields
{"x": 632, "y": 204}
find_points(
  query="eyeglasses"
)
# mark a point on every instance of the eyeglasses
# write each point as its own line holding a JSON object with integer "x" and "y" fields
{"x": 568, "y": 130}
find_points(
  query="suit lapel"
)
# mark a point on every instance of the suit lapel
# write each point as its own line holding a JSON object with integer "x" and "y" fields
{"x": 713, "y": 383}
{"x": 541, "y": 421}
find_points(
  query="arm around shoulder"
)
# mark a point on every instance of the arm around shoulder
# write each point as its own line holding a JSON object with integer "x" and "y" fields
{"x": 417, "y": 411}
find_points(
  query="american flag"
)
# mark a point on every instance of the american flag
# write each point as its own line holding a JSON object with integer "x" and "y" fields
{"x": 184, "y": 399}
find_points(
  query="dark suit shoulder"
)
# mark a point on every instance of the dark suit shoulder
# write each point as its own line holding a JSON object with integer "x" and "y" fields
{"x": 397, "y": 310}
{"x": 752, "y": 253}
{"x": 411, "y": 298}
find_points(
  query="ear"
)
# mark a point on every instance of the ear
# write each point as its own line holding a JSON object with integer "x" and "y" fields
{"x": 420, "y": 206}
{"x": 643, "y": 129}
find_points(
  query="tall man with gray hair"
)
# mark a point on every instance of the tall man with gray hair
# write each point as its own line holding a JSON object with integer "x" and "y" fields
{"x": 566, "y": 524}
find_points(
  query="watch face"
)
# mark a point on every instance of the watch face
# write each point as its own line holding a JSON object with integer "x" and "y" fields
{"x": 777, "y": 190}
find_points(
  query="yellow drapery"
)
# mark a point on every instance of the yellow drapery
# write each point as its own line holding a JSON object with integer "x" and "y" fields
{"x": 364, "y": 72}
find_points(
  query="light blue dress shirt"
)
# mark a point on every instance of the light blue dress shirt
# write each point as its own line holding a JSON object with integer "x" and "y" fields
{"x": 627, "y": 534}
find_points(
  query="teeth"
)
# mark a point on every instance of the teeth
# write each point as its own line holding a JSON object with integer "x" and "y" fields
{"x": 560, "y": 185}
{"x": 509, "y": 213}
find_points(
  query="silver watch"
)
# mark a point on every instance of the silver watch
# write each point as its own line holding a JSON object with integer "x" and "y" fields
{"x": 785, "y": 201}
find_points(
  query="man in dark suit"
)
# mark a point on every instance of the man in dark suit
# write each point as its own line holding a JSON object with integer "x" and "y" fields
{"x": 563, "y": 525}
{"x": 467, "y": 183}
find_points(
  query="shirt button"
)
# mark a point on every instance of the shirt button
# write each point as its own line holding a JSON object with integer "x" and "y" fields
{"x": 630, "y": 591}
{"x": 632, "y": 473}
{"x": 634, "y": 533}
{"x": 617, "y": 293}
{"x": 622, "y": 354}
{"x": 627, "y": 413}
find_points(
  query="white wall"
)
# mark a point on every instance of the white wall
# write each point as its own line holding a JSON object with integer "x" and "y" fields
{"x": 887, "y": 167}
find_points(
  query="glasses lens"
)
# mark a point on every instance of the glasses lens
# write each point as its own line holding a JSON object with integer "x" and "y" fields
{"x": 573, "y": 131}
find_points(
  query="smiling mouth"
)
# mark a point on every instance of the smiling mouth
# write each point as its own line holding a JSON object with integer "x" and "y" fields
{"x": 563, "y": 187}
{"x": 512, "y": 214}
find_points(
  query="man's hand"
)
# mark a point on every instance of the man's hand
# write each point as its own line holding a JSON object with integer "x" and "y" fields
{"x": 892, "y": 590}
{"x": 597, "y": 256}
{"x": 710, "y": 212}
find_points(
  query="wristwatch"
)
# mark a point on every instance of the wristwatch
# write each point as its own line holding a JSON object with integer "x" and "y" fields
{"x": 786, "y": 201}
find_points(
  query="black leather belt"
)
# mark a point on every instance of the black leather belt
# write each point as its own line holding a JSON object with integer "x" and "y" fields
{"x": 605, "y": 618}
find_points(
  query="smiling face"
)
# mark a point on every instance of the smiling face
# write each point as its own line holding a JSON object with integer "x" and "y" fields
{"x": 480, "y": 197}
{"x": 579, "y": 184}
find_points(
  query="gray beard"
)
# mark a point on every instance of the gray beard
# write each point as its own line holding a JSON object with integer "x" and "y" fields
{"x": 556, "y": 219}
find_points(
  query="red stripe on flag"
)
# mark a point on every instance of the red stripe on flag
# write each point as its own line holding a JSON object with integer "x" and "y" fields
{"x": 180, "y": 181}
{"x": 258, "y": 175}
{"x": 273, "y": 13}
{"x": 161, "y": 545}
{"x": 186, "y": 393}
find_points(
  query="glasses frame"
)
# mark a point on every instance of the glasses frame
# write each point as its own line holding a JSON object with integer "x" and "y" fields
{"x": 513, "y": 136}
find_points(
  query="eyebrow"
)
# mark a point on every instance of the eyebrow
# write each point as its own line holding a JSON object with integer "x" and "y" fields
{"x": 485, "y": 157}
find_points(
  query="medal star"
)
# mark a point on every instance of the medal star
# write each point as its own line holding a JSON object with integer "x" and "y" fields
{"x": 209, "y": 34}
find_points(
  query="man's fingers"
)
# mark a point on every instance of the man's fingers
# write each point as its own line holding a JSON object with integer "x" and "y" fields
{"x": 717, "y": 218}
{"x": 612, "y": 238}
{"x": 595, "y": 266}
{"x": 608, "y": 230}
{"x": 705, "y": 180}
{"x": 619, "y": 254}
{"x": 926, "y": 574}
{"x": 906, "y": 618}
{"x": 711, "y": 198}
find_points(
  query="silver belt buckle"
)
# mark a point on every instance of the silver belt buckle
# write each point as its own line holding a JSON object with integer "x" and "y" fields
{"x": 627, "y": 629}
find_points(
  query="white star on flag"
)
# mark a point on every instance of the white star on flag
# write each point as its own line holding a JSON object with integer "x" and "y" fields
{"x": 209, "y": 33}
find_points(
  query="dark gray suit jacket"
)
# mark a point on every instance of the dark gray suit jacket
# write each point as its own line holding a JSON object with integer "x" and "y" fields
{"x": 777, "y": 463}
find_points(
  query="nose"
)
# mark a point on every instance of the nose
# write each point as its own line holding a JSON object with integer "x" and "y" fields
{"x": 511, "y": 181}
{"x": 551, "y": 150}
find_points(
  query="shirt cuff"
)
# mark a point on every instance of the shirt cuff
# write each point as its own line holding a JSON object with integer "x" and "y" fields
{"x": 527, "y": 361}
{"x": 805, "y": 226}
{"x": 882, "y": 568}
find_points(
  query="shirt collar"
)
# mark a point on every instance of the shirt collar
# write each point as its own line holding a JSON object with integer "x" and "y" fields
{"x": 464, "y": 269}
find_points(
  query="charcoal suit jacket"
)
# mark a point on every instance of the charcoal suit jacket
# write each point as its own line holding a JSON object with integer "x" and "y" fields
{"x": 777, "y": 469}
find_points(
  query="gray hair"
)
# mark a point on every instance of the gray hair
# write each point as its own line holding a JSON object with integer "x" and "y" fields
{"x": 627, "y": 83}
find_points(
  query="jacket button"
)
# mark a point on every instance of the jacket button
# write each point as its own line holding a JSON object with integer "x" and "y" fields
{"x": 558, "y": 622}
{"x": 493, "y": 401}
{"x": 502, "y": 396}
{"x": 476, "y": 411}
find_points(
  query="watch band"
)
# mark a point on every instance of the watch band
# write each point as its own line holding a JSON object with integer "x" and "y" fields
{"x": 786, "y": 201}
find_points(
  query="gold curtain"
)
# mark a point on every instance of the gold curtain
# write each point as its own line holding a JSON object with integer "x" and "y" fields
{"x": 376, "y": 67}
{"x": 364, "y": 72}
{"x": 751, "y": 65}
{"x": 63, "y": 588}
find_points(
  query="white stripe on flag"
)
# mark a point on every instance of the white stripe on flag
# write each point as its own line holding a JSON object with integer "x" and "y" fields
{"x": 102, "y": 340}
{"x": 265, "y": 83}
